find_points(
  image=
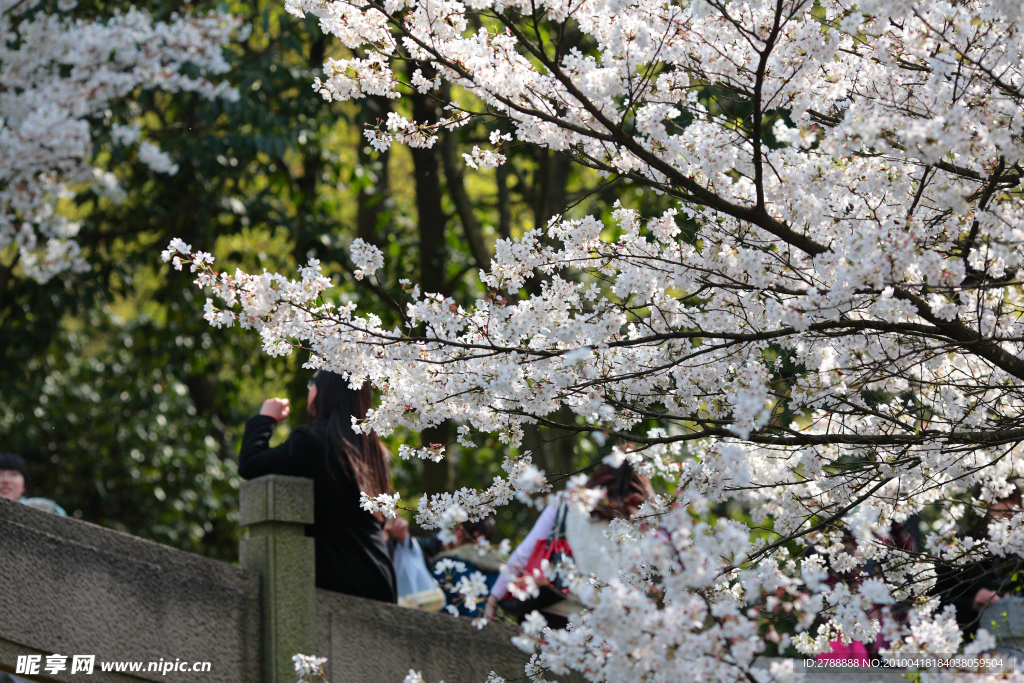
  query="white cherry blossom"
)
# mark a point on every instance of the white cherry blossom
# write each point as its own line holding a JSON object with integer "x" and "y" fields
{"x": 826, "y": 325}
{"x": 58, "y": 76}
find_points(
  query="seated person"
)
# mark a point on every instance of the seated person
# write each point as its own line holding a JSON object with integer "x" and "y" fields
{"x": 14, "y": 482}
{"x": 465, "y": 550}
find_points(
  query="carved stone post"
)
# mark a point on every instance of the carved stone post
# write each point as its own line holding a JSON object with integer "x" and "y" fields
{"x": 275, "y": 510}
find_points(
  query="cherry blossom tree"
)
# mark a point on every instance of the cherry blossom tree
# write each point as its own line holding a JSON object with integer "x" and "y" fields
{"x": 58, "y": 77}
{"x": 824, "y": 330}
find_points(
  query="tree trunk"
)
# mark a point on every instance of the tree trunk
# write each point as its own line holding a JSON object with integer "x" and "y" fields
{"x": 374, "y": 188}
{"x": 433, "y": 258}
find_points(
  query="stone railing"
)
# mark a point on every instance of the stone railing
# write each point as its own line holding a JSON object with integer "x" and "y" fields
{"x": 275, "y": 510}
{"x": 72, "y": 588}
{"x": 69, "y": 588}
{"x": 363, "y": 640}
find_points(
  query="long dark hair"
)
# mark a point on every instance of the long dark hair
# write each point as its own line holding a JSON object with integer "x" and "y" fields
{"x": 979, "y": 516}
{"x": 626, "y": 490}
{"x": 360, "y": 457}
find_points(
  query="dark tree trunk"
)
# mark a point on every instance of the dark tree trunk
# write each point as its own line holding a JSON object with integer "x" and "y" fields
{"x": 433, "y": 258}
{"x": 371, "y": 213}
{"x": 504, "y": 198}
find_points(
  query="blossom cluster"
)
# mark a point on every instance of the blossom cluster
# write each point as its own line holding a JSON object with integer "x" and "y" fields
{"x": 309, "y": 667}
{"x": 58, "y": 78}
{"x": 471, "y": 588}
{"x": 826, "y": 326}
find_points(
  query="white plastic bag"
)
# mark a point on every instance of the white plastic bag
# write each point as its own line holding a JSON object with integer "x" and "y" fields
{"x": 416, "y": 587}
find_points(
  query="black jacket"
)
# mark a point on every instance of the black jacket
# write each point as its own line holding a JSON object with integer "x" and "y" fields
{"x": 351, "y": 555}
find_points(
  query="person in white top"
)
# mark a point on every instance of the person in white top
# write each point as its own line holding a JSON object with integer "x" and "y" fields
{"x": 593, "y": 553}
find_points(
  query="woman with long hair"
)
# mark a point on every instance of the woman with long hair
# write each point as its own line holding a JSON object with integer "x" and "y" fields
{"x": 351, "y": 553}
{"x": 625, "y": 490}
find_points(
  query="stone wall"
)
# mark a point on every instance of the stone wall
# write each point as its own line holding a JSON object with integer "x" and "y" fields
{"x": 69, "y": 587}
{"x": 370, "y": 641}
{"x": 363, "y": 640}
